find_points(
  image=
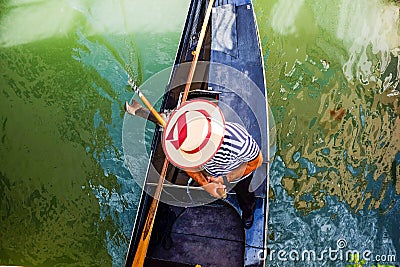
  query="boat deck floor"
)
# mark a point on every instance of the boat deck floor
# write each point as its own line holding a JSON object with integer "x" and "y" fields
{"x": 196, "y": 234}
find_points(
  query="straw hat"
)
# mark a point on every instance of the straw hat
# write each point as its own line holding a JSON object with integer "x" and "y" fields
{"x": 193, "y": 134}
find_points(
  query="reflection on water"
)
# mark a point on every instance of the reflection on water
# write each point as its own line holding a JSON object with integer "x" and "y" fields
{"x": 25, "y": 22}
{"x": 48, "y": 212}
{"x": 336, "y": 103}
{"x": 338, "y": 108}
{"x": 333, "y": 73}
{"x": 353, "y": 131}
{"x": 33, "y": 20}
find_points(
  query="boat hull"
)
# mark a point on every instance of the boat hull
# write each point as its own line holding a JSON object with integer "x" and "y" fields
{"x": 190, "y": 227}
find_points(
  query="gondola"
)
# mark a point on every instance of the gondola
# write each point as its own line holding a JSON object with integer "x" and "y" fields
{"x": 191, "y": 229}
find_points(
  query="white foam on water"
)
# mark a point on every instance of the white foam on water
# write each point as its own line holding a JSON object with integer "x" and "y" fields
{"x": 284, "y": 14}
{"x": 30, "y": 21}
{"x": 374, "y": 29}
{"x": 37, "y": 21}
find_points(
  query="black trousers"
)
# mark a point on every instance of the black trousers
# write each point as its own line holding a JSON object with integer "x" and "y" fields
{"x": 246, "y": 199}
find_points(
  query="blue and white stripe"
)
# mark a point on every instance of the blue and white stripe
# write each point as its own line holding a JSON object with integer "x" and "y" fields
{"x": 237, "y": 147}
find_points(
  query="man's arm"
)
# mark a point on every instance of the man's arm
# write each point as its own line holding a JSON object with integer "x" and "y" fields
{"x": 198, "y": 177}
{"x": 243, "y": 169}
{"x": 215, "y": 189}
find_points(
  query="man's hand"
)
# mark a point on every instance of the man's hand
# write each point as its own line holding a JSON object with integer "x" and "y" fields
{"x": 213, "y": 188}
{"x": 218, "y": 180}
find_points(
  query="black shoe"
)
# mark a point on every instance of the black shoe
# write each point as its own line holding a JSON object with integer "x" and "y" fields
{"x": 248, "y": 221}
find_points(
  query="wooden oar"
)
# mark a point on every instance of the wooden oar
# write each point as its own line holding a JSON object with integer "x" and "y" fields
{"x": 143, "y": 245}
{"x": 144, "y": 241}
{"x": 136, "y": 109}
{"x": 196, "y": 53}
{"x": 146, "y": 102}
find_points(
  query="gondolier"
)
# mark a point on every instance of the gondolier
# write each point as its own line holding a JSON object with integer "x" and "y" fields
{"x": 215, "y": 153}
{"x": 235, "y": 162}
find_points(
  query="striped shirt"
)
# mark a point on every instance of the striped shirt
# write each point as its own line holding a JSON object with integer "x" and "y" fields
{"x": 237, "y": 147}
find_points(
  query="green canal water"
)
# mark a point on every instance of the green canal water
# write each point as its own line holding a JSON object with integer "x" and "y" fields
{"x": 68, "y": 199}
